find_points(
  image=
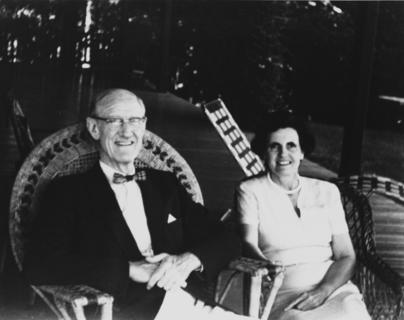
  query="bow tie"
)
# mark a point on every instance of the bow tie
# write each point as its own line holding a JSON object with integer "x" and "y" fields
{"x": 120, "y": 178}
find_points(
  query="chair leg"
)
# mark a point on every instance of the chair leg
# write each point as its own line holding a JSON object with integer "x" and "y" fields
{"x": 246, "y": 297}
{"x": 31, "y": 298}
{"x": 277, "y": 282}
{"x": 61, "y": 306}
{"x": 221, "y": 294}
{"x": 255, "y": 294}
{"x": 78, "y": 312}
{"x": 106, "y": 311}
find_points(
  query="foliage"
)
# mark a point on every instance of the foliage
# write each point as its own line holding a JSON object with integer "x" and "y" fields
{"x": 263, "y": 56}
{"x": 383, "y": 151}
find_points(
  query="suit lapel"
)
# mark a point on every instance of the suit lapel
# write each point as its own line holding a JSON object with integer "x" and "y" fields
{"x": 106, "y": 204}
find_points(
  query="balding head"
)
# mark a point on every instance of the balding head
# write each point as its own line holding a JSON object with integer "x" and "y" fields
{"x": 112, "y": 97}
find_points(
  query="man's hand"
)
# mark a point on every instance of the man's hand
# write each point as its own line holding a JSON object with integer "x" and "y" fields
{"x": 173, "y": 270}
{"x": 309, "y": 300}
{"x": 141, "y": 271}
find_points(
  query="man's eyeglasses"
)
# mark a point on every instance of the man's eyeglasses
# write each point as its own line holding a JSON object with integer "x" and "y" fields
{"x": 118, "y": 122}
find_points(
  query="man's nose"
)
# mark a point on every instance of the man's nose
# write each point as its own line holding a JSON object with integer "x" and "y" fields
{"x": 126, "y": 129}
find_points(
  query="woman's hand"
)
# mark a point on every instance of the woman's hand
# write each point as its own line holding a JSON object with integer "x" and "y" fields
{"x": 309, "y": 300}
{"x": 337, "y": 274}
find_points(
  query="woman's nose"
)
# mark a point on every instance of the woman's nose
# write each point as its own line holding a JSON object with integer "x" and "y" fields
{"x": 282, "y": 151}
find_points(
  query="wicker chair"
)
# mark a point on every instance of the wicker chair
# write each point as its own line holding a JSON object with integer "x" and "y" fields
{"x": 70, "y": 151}
{"x": 381, "y": 286}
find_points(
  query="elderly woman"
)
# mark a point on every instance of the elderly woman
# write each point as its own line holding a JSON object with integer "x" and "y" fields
{"x": 299, "y": 222}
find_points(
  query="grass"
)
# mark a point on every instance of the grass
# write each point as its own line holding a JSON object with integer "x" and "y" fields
{"x": 328, "y": 145}
{"x": 382, "y": 154}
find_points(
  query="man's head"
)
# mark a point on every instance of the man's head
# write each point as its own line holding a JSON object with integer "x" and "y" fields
{"x": 118, "y": 123}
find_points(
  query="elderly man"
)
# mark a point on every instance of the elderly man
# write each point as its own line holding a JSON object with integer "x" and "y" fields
{"x": 105, "y": 229}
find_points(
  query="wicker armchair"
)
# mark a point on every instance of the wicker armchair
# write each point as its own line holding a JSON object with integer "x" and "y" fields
{"x": 69, "y": 151}
{"x": 381, "y": 286}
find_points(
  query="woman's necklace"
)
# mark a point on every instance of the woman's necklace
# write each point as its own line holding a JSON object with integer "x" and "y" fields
{"x": 293, "y": 191}
{"x": 285, "y": 191}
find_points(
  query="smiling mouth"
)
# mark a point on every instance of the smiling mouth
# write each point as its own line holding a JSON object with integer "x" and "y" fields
{"x": 283, "y": 163}
{"x": 125, "y": 144}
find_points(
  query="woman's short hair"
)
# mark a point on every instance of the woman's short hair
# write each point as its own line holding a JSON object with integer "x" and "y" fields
{"x": 280, "y": 120}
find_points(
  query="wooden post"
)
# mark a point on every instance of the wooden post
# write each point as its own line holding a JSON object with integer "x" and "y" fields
{"x": 356, "y": 117}
{"x": 69, "y": 15}
{"x": 165, "y": 52}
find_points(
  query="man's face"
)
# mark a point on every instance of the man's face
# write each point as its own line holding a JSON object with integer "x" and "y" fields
{"x": 119, "y": 132}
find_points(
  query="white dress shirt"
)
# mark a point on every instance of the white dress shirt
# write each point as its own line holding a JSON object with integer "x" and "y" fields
{"x": 130, "y": 201}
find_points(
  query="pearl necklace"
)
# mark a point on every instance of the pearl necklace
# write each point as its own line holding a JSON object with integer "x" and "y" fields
{"x": 287, "y": 192}
{"x": 293, "y": 191}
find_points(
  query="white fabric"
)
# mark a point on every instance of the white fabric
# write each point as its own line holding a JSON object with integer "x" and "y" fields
{"x": 178, "y": 304}
{"x": 130, "y": 201}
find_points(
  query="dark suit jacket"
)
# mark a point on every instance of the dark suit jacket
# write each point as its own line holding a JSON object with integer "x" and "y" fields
{"x": 81, "y": 237}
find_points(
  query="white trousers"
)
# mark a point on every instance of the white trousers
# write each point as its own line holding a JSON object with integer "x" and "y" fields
{"x": 179, "y": 304}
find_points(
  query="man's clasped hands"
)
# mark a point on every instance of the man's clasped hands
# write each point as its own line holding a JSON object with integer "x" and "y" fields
{"x": 167, "y": 271}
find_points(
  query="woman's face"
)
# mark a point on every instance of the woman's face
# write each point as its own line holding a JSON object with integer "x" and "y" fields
{"x": 283, "y": 153}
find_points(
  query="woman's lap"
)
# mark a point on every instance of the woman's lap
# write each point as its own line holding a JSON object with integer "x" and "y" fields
{"x": 344, "y": 304}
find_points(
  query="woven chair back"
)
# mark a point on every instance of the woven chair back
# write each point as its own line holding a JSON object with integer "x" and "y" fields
{"x": 369, "y": 183}
{"x": 358, "y": 214}
{"x": 70, "y": 151}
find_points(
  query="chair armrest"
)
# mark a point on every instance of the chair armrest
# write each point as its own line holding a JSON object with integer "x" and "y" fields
{"x": 254, "y": 267}
{"x": 77, "y": 296}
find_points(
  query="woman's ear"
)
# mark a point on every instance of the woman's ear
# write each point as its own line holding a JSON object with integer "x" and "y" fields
{"x": 92, "y": 128}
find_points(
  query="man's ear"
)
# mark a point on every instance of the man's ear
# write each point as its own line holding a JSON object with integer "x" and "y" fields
{"x": 92, "y": 128}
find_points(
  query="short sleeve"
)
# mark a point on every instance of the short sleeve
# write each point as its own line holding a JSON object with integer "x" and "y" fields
{"x": 246, "y": 205}
{"x": 336, "y": 212}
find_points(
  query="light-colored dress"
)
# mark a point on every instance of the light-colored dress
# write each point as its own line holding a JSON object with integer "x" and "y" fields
{"x": 302, "y": 244}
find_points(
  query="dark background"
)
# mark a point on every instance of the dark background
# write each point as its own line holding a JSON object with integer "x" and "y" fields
{"x": 258, "y": 56}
